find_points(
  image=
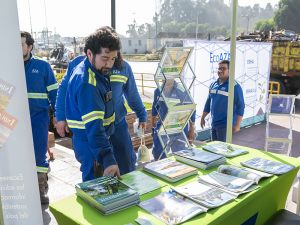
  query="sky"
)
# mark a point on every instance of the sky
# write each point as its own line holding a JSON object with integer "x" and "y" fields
{"x": 80, "y": 18}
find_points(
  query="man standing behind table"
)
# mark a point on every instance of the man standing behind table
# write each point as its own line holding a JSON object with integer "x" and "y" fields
{"x": 41, "y": 88}
{"x": 122, "y": 82}
{"x": 217, "y": 104}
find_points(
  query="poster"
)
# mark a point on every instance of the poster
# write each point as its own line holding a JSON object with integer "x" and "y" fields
{"x": 20, "y": 203}
{"x": 252, "y": 72}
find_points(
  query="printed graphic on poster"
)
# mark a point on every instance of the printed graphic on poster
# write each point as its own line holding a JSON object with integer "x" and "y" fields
{"x": 252, "y": 72}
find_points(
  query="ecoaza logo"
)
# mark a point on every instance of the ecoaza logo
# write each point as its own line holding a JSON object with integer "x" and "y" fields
{"x": 35, "y": 71}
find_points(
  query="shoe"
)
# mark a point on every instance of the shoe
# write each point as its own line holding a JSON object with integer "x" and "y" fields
{"x": 43, "y": 187}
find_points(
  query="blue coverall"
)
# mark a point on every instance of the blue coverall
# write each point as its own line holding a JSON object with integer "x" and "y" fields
{"x": 123, "y": 85}
{"x": 90, "y": 115}
{"x": 41, "y": 88}
{"x": 159, "y": 107}
{"x": 217, "y": 103}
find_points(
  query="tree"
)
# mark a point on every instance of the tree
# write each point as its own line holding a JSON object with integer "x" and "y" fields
{"x": 287, "y": 16}
{"x": 265, "y": 25}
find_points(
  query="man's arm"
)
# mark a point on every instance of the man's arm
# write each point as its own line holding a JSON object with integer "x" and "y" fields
{"x": 240, "y": 107}
{"x": 92, "y": 114}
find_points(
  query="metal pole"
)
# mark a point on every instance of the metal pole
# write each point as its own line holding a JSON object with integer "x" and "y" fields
{"x": 197, "y": 26}
{"x": 113, "y": 14}
{"x": 30, "y": 18}
{"x": 231, "y": 72}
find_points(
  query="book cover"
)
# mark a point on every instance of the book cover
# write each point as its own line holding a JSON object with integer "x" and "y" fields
{"x": 170, "y": 170}
{"x": 226, "y": 182}
{"x": 268, "y": 166}
{"x": 245, "y": 173}
{"x": 224, "y": 149}
{"x": 208, "y": 196}
{"x": 106, "y": 193}
{"x": 172, "y": 208}
{"x": 140, "y": 182}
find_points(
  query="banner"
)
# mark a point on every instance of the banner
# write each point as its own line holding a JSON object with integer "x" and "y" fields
{"x": 252, "y": 72}
{"x": 19, "y": 191}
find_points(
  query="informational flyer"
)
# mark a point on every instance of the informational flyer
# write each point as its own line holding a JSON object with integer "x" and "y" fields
{"x": 19, "y": 202}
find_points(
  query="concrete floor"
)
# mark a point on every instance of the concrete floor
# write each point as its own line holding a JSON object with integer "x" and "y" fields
{"x": 65, "y": 169}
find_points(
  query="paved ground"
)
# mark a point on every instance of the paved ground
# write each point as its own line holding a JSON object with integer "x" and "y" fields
{"x": 65, "y": 169}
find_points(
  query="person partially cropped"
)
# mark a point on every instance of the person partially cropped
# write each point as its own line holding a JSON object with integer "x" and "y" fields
{"x": 41, "y": 90}
{"x": 217, "y": 104}
{"x": 159, "y": 111}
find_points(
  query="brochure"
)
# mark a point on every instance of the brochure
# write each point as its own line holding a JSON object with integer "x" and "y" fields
{"x": 206, "y": 195}
{"x": 230, "y": 183}
{"x": 172, "y": 208}
{"x": 199, "y": 158}
{"x": 170, "y": 170}
{"x": 141, "y": 182}
{"x": 224, "y": 149}
{"x": 107, "y": 194}
{"x": 6, "y": 92}
{"x": 245, "y": 173}
{"x": 268, "y": 166}
{"x": 7, "y": 124}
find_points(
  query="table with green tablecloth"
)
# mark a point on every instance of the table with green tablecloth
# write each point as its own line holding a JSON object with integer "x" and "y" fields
{"x": 259, "y": 204}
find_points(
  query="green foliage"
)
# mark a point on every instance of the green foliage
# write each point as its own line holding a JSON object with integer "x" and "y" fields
{"x": 288, "y": 16}
{"x": 265, "y": 25}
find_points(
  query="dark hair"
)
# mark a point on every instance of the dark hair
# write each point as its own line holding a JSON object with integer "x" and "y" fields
{"x": 29, "y": 40}
{"x": 225, "y": 62}
{"x": 104, "y": 37}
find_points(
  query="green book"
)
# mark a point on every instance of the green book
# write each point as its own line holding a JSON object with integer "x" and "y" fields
{"x": 106, "y": 193}
{"x": 141, "y": 182}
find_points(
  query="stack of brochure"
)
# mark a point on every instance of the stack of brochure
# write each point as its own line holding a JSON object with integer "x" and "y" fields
{"x": 268, "y": 166}
{"x": 170, "y": 170}
{"x": 227, "y": 182}
{"x": 199, "y": 158}
{"x": 205, "y": 195}
{"x": 224, "y": 149}
{"x": 242, "y": 172}
{"x": 172, "y": 208}
{"x": 107, "y": 194}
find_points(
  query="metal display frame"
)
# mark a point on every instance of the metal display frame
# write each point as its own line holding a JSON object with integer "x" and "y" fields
{"x": 284, "y": 106}
{"x": 172, "y": 70}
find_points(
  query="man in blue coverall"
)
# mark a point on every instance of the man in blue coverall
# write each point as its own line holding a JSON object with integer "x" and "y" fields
{"x": 217, "y": 103}
{"x": 41, "y": 88}
{"x": 121, "y": 79}
{"x": 159, "y": 111}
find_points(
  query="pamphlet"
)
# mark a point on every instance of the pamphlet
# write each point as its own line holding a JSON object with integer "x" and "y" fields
{"x": 224, "y": 149}
{"x": 141, "y": 182}
{"x": 268, "y": 166}
{"x": 172, "y": 208}
{"x": 206, "y": 195}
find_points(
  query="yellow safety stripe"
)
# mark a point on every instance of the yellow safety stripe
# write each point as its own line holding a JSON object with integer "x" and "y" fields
{"x": 94, "y": 115}
{"x": 41, "y": 169}
{"x": 52, "y": 87}
{"x": 76, "y": 124}
{"x": 37, "y": 95}
{"x": 92, "y": 79}
{"x": 109, "y": 120}
{"x": 118, "y": 78}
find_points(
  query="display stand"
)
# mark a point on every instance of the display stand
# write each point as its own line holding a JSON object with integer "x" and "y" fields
{"x": 175, "y": 105}
{"x": 278, "y": 138}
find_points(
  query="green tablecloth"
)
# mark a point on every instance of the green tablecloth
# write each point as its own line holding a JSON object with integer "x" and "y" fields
{"x": 265, "y": 201}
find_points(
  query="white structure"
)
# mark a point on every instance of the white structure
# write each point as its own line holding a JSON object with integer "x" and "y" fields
{"x": 134, "y": 45}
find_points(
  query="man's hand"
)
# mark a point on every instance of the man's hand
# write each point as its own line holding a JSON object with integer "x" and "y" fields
{"x": 62, "y": 128}
{"x": 112, "y": 170}
{"x": 142, "y": 125}
{"x": 202, "y": 122}
{"x": 236, "y": 129}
